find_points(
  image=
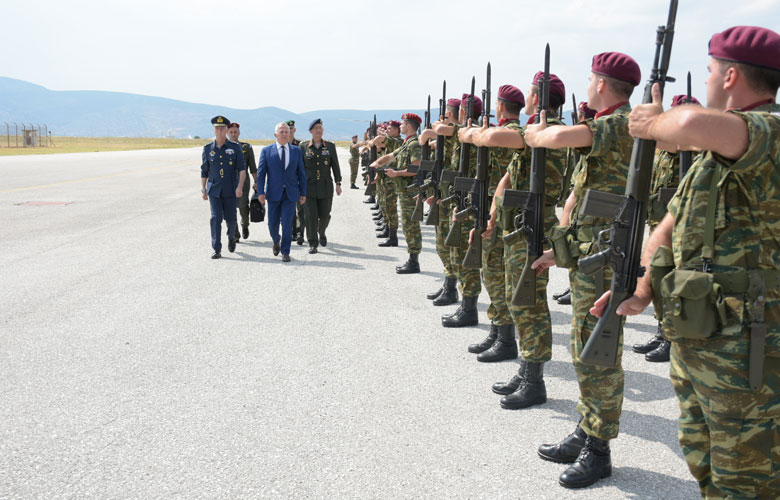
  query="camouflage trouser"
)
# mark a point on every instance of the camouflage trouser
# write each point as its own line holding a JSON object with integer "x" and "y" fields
{"x": 353, "y": 167}
{"x": 390, "y": 201}
{"x": 493, "y": 276}
{"x": 601, "y": 389}
{"x": 534, "y": 327}
{"x": 450, "y": 271}
{"x": 729, "y": 435}
{"x": 411, "y": 228}
{"x": 470, "y": 283}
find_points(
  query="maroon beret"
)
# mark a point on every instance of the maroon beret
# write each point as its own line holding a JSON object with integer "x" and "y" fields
{"x": 749, "y": 45}
{"x": 680, "y": 99}
{"x": 556, "y": 85}
{"x": 455, "y": 103}
{"x": 412, "y": 117}
{"x": 477, "y": 103}
{"x": 585, "y": 110}
{"x": 233, "y": 124}
{"x": 394, "y": 123}
{"x": 512, "y": 94}
{"x": 617, "y": 65}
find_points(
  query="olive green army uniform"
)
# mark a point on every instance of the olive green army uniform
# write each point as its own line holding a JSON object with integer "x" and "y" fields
{"x": 730, "y": 433}
{"x": 404, "y": 156}
{"x": 319, "y": 162}
{"x": 604, "y": 167}
{"x": 389, "y": 199}
{"x": 533, "y": 323}
{"x": 666, "y": 174}
{"x": 354, "y": 160}
{"x": 300, "y": 214}
{"x": 451, "y": 268}
{"x": 243, "y": 201}
{"x": 493, "y": 268}
{"x": 470, "y": 283}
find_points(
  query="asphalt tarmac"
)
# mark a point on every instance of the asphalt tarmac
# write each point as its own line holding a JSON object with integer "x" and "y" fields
{"x": 134, "y": 366}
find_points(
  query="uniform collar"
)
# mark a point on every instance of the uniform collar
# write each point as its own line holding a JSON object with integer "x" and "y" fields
{"x": 610, "y": 110}
{"x": 504, "y": 121}
{"x": 756, "y": 105}
{"x": 409, "y": 137}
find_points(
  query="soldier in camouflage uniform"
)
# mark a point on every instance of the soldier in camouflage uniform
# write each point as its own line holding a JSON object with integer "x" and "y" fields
{"x": 500, "y": 342}
{"x": 234, "y": 132}
{"x": 605, "y": 146}
{"x": 722, "y": 228}
{"x": 534, "y": 325}
{"x": 410, "y": 153}
{"x": 470, "y": 282}
{"x": 354, "y": 161}
{"x": 666, "y": 176}
{"x": 319, "y": 159}
{"x": 386, "y": 186}
{"x": 448, "y": 293}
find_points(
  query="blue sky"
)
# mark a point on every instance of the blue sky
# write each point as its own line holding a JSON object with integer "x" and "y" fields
{"x": 334, "y": 54}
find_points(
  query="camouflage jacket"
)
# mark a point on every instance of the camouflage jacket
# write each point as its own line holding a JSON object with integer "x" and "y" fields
{"x": 455, "y": 155}
{"x": 666, "y": 174}
{"x": 409, "y": 152}
{"x": 500, "y": 158}
{"x": 747, "y": 227}
{"x": 604, "y": 164}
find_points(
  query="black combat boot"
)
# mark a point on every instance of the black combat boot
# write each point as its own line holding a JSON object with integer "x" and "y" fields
{"x": 411, "y": 266}
{"x": 375, "y": 206}
{"x": 377, "y": 217}
{"x": 565, "y": 299}
{"x": 370, "y": 199}
{"x": 384, "y": 233}
{"x": 485, "y": 344}
{"x": 505, "y": 388}
{"x": 450, "y": 293}
{"x": 392, "y": 239}
{"x": 593, "y": 463}
{"x": 567, "y": 451}
{"x": 557, "y": 296}
{"x": 661, "y": 353}
{"x": 530, "y": 392}
{"x": 505, "y": 346}
{"x": 381, "y": 222}
{"x": 650, "y": 344}
{"x": 466, "y": 315}
{"x": 433, "y": 295}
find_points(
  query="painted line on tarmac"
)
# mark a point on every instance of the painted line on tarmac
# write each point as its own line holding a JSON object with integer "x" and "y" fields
{"x": 95, "y": 178}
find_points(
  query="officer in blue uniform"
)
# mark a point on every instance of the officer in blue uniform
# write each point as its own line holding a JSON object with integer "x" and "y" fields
{"x": 222, "y": 174}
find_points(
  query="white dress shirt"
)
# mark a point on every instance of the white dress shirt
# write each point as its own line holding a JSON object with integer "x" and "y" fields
{"x": 286, "y": 153}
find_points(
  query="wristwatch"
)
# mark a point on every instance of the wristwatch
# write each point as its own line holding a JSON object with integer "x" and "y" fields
{"x": 203, "y": 190}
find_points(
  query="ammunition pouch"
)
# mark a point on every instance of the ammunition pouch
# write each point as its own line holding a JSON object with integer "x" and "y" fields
{"x": 693, "y": 305}
{"x": 505, "y": 216}
{"x": 661, "y": 264}
{"x": 565, "y": 246}
{"x": 656, "y": 208}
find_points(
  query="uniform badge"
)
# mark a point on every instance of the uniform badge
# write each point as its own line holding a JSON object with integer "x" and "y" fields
{"x": 230, "y": 162}
{"x": 318, "y": 175}
{"x": 212, "y": 153}
{"x": 230, "y": 151}
{"x": 325, "y": 152}
{"x": 326, "y": 162}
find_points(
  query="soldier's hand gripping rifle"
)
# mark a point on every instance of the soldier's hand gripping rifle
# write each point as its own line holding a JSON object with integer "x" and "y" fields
{"x": 480, "y": 207}
{"x": 686, "y": 159}
{"x": 371, "y": 188}
{"x": 420, "y": 182}
{"x": 459, "y": 196}
{"x": 628, "y": 226}
{"x": 436, "y": 166}
{"x": 531, "y": 217}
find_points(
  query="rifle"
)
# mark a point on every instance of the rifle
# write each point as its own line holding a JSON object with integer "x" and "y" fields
{"x": 438, "y": 163}
{"x": 573, "y": 158}
{"x": 371, "y": 188}
{"x": 686, "y": 159}
{"x": 628, "y": 213}
{"x": 420, "y": 183}
{"x": 480, "y": 208}
{"x": 453, "y": 238}
{"x": 531, "y": 217}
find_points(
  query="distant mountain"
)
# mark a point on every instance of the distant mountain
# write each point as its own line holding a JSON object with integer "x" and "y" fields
{"x": 90, "y": 113}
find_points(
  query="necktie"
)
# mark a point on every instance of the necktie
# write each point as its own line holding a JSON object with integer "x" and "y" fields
{"x": 283, "y": 165}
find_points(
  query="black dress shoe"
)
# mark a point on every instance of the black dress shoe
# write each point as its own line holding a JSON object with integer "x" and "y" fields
{"x": 277, "y": 249}
{"x": 352, "y": 186}
{"x": 232, "y": 246}
{"x": 285, "y": 258}
{"x": 216, "y": 255}
{"x": 245, "y": 233}
{"x": 312, "y": 249}
{"x": 660, "y": 354}
{"x": 565, "y": 299}
{"x": 323, "y": 240}
{"x": 567, "y": 451}
{"x": 593, "y": 463}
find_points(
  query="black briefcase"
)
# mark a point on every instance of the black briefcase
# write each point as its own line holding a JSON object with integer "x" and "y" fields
{"x": 256, "y": 210}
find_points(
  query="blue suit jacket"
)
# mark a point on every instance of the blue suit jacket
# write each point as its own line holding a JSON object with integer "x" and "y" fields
{"x": 293, "y": 178}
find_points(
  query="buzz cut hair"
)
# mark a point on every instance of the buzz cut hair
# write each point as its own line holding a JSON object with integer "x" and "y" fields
{"x": 279, "y": 126}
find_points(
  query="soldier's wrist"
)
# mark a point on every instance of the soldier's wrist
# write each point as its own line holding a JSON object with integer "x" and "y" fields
{"x": 202, "y": 190}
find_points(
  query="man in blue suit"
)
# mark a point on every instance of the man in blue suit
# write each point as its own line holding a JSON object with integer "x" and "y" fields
{"x": 222, "y": 172}
{"x": 282, "y": 164}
